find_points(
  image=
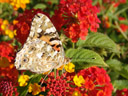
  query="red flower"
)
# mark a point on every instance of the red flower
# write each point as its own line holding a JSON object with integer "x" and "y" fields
{"x": 73, "y": 32}
{"x": 58, "y": 20}
{"x": 7, "y": 87}
{"x": 10, "y": 72}
{"x": 117, "y": 3}
{"x": 123, "y": 92}
{"x": 124, "y": 27}
{"x": 100, "y": 93}
{"x": 77, "y": 17}
{"x": 24, "y": 23}
{"x": 97, "y": 82}
{"x": 57, "y": 86}
{"x": 6, "y": 50}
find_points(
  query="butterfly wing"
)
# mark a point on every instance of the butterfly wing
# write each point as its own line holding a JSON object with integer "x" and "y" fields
{"x": 43, "y": 49}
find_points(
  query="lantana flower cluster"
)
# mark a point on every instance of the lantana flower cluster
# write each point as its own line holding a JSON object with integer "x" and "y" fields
{"x": 78, "y": 16}
{"x": 124, "y": 27}
{"x": 7, "y": 28}
{"x": 93, "y": 81}
{"x": 8, "y": 87}
{"x": 8, "y": 73}
{"x": 7, "y": 51}
{"x": 123, "y": 92}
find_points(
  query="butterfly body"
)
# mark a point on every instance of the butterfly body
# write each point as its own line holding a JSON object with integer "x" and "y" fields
{"x": 43, "y": 49}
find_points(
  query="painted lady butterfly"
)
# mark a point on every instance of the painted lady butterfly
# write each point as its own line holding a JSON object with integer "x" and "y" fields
{"x": 43, "y": 49}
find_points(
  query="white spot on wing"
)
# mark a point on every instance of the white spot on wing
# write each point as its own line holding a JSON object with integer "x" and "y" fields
{"x": 47, "y": 20}
{"x": 39, "y": 30}
{"x": 52, "y": 29}
{"x": 49, "y": 48}
{"x": 54, "y": 53}
{"x": 39, "y": 55}
{"x": 55, "y": 42}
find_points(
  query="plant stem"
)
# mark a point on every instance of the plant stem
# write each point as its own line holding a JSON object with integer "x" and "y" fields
{"x": 124, "y": 35}
{"x": 55, "y": 73}
{"x": 73, "y": 45}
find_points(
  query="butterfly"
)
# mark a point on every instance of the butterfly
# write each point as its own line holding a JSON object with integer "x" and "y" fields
{"x": 43, "y": 50}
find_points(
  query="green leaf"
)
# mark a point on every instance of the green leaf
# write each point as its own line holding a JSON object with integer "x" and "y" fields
{"x": 114, "y": 64}
{"x": 114, "y": 75}
{"x": 120, "y": 84}
{"x": 40, "y": 6}
{"x": 84, "y": 58}
{"x": 4, "y": 38}
{"x": 36, "y": 78}
{"x": 22, "y": 90}
{"x": 98, "y": 40}
{"x": 6, "y": 11}
{"x": 118, "y": 67}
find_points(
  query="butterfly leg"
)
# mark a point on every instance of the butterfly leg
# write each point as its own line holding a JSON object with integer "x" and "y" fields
{"x": 45, "y": 77}
{"x": 48, "y": 73}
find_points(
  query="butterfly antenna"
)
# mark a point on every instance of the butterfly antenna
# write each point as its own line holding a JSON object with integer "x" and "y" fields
{"x": 45, "y": 77}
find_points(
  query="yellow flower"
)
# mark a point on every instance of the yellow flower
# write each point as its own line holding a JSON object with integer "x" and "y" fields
{"x": 5, "y": 22}
{"x": 15, "y": 22}
{"x": 9, "y": 33}
{"x": 34, "y": 88}
{"x": 4, "y": 25}
{"x": 23, "y": 80}
{"x": 78, "y": 80}
{"x": 70, "y": 67}
{"x": 15, "y": 32}
{"x": 19, "y": 4}
{"x": 76, "y": 93}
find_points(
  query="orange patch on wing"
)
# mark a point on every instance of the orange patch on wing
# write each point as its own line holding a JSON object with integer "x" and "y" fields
{"x": 56, "y": 48}
{"x": 46, "y": 39}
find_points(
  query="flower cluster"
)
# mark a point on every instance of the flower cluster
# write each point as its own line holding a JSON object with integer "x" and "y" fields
{"x": 123, "y": 27}
{"x": 78, "y": 16}
{"x": 96, "y": 82}
{"x": 6, "y": 50}
{"x": 16, "y": 3}
{"x": 118, "y": 2}
{"x": 58, "y": 85}
{"x": 34, "y": 88}
{"x": 70, "y": 67}
{"x": 23, "y": 24}
{"x": 123, "y": 92}
{"x": 7, "y": 28}
{"x": 23, "y": 80}
{"x": 10, "y": 72}
{"x": 8, "y": 87}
